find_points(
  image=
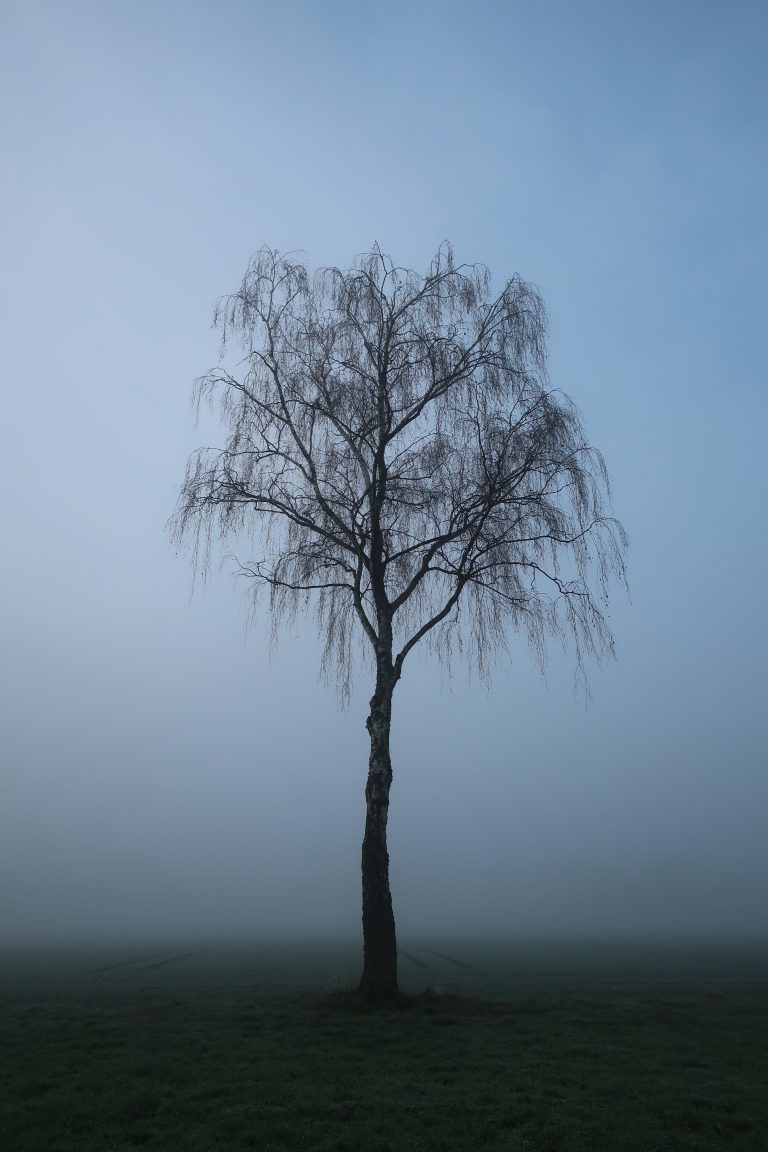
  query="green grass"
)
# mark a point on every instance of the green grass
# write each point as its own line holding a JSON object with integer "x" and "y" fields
{"x": 322, "y": 1072}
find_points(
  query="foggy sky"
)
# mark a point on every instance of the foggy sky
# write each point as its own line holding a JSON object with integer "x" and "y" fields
{"x": 160, "y": 769}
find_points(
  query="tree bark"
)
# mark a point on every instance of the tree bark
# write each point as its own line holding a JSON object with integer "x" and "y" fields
{"x": 379, "y": 979}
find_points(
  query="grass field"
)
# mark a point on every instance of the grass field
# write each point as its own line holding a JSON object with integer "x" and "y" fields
{"x": 261, "y": 1047}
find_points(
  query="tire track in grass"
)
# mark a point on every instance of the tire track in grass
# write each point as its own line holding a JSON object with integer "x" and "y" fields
{"x": 415, "y": 959}
{"x": 128, "y": 963}
{"x": 181, "y": 956}
{"x": 159, "y": 958}
{"x": 450, "y": 959}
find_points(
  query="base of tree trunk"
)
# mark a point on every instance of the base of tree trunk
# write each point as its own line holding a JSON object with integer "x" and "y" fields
{"x": 379, "y": 979}
{"x": 380, "y": 985}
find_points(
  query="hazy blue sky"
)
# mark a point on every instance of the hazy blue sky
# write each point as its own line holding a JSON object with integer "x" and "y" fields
{"x": 158, "y": 770}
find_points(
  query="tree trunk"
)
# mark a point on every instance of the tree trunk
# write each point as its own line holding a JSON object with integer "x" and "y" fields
{"x": 379, "y": 979}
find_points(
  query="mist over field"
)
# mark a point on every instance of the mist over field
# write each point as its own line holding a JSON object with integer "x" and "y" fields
{"x": 165, "y": 771}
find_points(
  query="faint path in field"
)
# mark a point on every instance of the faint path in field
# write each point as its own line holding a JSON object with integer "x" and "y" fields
{"x": 181, "y": 956}
{"x": 164, "y": 958}
{"x": 450, "y": 959}
{"x": 128, "y": 963}
{"x": 414, "y": 959}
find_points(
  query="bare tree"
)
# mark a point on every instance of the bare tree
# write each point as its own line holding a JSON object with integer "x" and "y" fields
{"x": 396, "y": 451}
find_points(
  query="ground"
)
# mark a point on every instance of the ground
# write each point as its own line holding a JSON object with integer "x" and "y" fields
{"x": 150, "y": 1051}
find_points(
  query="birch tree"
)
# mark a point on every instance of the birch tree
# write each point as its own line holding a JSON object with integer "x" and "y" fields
{"x": 396, "y": 462}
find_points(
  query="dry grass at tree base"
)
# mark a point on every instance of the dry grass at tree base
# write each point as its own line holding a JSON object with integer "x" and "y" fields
{"x": 324, "y": 1072}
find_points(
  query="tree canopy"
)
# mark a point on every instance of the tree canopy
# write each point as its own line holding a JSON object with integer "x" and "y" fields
{"x": 393, "y": 439}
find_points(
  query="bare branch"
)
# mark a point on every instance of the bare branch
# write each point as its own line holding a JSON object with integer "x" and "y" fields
{"x": 396, "y": 450}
